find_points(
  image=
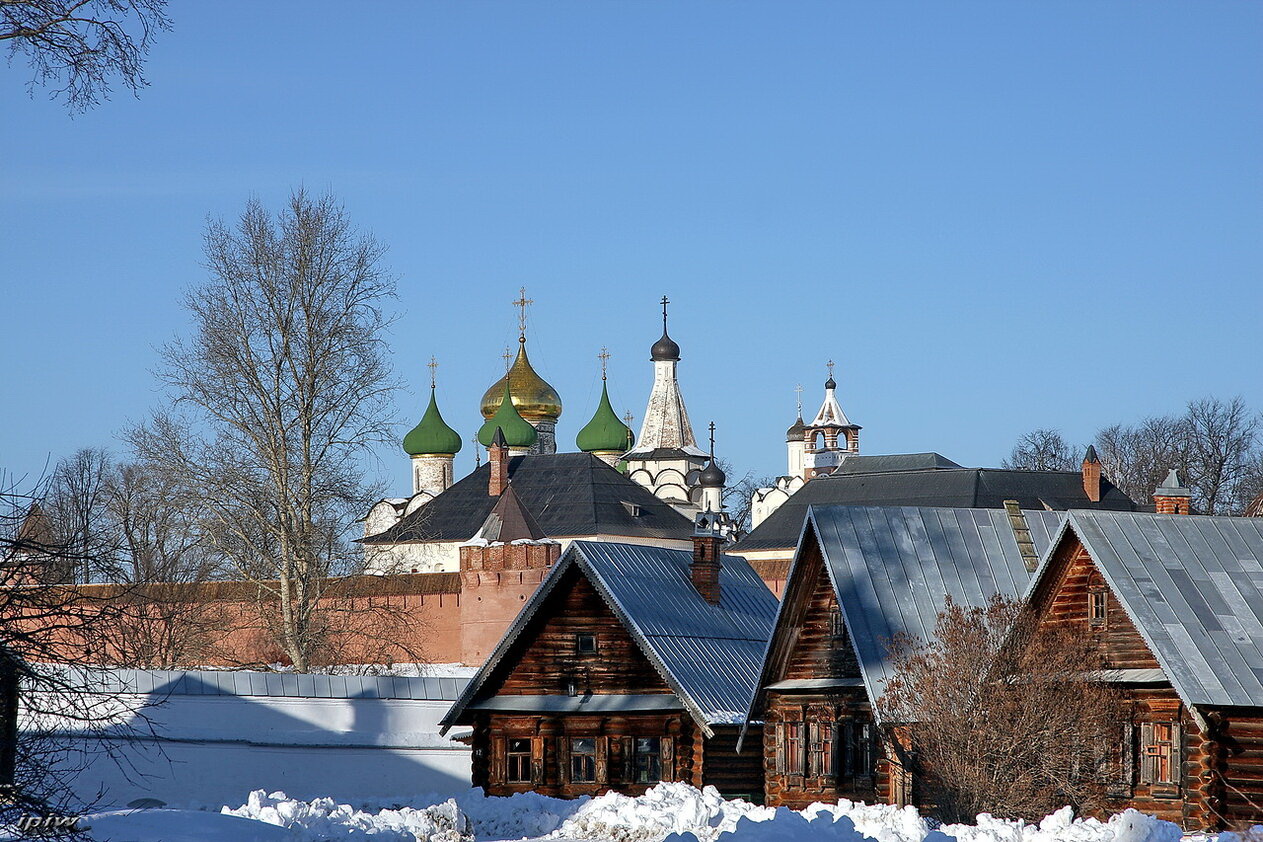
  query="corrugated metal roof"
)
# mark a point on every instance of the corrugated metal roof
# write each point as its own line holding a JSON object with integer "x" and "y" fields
{"x": 709, "y": 654}
{"x": 893, "y": 568}
{"x": 1193, "y": 587}
{"x": 246, "y": 683}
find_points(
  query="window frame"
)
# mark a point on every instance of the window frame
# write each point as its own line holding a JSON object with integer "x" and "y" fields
{"x": 1098, "y": 606}
{"x": 587, "y": 759}
{"x": 511, "y": 756}
{"x": 652, "y": 758}
{"x": 584, "y": 637}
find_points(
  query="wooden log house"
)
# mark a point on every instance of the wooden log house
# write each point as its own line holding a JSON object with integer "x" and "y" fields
{"x": 630, "y": 665}
{"x": 1174, "y": 606}
{"x": 861, "y": 576}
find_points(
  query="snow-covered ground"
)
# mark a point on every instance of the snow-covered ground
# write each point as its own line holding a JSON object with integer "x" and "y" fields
{"x": 667, "y": 813}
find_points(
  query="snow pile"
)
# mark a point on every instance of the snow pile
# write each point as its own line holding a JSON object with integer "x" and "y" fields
{"x": 849, "y": 821}
{"x": 325, "y": 819}
{"x": 669, "y": 812}
{"x": 666, "y": 809}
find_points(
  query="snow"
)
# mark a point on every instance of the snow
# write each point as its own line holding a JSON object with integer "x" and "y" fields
{"x": 670, "y": 812}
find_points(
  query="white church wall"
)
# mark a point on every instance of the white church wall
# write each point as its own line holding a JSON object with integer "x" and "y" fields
{"x": 428, "y": 557}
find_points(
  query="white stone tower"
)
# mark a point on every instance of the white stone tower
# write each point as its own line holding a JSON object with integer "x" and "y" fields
{"x": 666, "y": 457}
{"x": 830, "y": 437}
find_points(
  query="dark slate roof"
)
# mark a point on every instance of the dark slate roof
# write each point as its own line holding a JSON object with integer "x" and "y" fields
{"x": 710, "y": 655}
{"x": 893, "y": 568}
{"x": 964, "y": 488}
{"x": 567, "y": 493}
{"x": 894, "y": 462}
{"x": 1193, "y": 587}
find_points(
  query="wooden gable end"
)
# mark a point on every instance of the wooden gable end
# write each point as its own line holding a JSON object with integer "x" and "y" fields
{"x": 822, "y": 647}
{"x": 551, "y": 653}
{"x": 1075, "y": 594}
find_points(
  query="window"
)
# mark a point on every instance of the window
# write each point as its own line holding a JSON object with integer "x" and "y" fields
{"x": 857, "y": 749}
{"x": 519, "y": 761}
{"x": 585, "y": 644}
{"x": 837, "y": 626}
{"x": 648, "y": 760}
{"x": 820, "y": 756}
{"x": 1096, "y": 607}
{"x": 794, "y": 748}
{"x": 583, "y": 760}
{"x": 1159, "y": 752}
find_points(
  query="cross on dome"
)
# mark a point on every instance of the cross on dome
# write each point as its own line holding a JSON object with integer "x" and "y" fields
{"x": 604, "y": 357}
{"x": 522, "y": 303}
{"x": 433, "y": 366}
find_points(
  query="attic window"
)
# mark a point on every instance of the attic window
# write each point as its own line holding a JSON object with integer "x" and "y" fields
{"x": 585, "y": 644}
{"x": 1097, "y": 607}
{"x": 837, "y": 626}
{"x": 633, "y": 509}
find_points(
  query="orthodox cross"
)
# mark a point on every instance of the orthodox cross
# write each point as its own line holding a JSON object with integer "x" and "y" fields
{"x": 506, "y": 356}
{"x": 712, "y": 440}
{"x": 665, "y": 302}
{"x": 477, "y": 452}
{"x": 604, "y": 357}
{"x": 631, "y": 437}
{"x": 433, "y": 366}
{"x": 830, "y": 364}
{"x": 522, "y": 303}
{"x": 799, "y": 390}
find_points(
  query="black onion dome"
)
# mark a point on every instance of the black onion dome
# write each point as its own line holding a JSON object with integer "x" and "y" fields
{"x": 795, "y": 433}
{"x": 829, "y": 384}
{"x": 665, "y": 349}
{"x": 712, "y": 476}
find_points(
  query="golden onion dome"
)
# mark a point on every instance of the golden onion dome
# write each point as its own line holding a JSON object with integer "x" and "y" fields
{"x": 533, "y": 398}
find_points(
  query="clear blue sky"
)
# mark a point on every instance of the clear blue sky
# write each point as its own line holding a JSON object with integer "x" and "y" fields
{"x": 994, "y": 216}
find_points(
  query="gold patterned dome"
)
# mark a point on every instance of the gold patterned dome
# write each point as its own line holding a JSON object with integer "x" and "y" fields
{"x": 532, "y": 397}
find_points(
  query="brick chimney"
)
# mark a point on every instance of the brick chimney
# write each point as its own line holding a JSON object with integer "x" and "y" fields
{"x": 1092, "y": 475}
{"x": 1171, "y": 497}
{"x": 708, "y": 547}
{"x": 498, "y": 459}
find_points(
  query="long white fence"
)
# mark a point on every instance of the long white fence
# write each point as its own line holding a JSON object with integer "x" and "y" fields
{"x": 209, "y": 737}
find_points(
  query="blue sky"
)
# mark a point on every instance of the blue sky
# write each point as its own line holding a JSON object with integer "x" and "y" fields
{"x": 993, "y": 216}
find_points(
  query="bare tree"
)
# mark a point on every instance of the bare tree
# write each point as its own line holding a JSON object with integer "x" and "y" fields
{"x": 1042, "y": 450}
{"x": 1004, "y": 718}
{"x": 288, "y": 386}
{"x": 79, "y": 46}
{"x": 738, "y": 496}
{"x": 1215, "y": 445}
{"x": 76, "y": 501}
{"x": 64, "y": 715}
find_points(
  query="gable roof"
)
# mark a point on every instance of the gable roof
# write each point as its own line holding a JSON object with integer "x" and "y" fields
{"x": 1192, "y": 586}
{"x": 567, "y": 493}
{"x": 710, "y": 655}
{"x": 892, "y": 569}
{"x": 509, "y": 520}
{"x": 891, "y": 484}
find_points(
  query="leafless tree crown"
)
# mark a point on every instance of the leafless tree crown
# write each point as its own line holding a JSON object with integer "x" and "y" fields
{"x": 285, "y": 385}
{"x": 79, "y": 46}
{"x": 1042, "y": 450}
{"x": 1004, "y": 717}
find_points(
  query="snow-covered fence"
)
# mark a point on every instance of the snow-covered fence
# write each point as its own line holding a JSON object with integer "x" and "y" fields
{"x": 220, "y": 734}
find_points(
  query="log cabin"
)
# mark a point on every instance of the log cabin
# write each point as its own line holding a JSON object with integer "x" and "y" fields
{"x": 1173, "y": 604}
{"x": 629, "y": 665}
{"x": 863, "y": 575}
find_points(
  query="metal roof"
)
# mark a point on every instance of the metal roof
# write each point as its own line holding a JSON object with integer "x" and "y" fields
{"x": 893, "y": 568}
{"x": 710, "y": 655}
{"x": 246, "y": 683}
{"x": 587, "y": 703}
{"x": 940, "y": 485}
{"x": 1193, "y": 587}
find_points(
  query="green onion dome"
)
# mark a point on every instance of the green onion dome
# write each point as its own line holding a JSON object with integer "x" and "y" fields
{"x": 518, "y": 433}
{"x": 432, "y": 436}
{"x": 605, "y": 433}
